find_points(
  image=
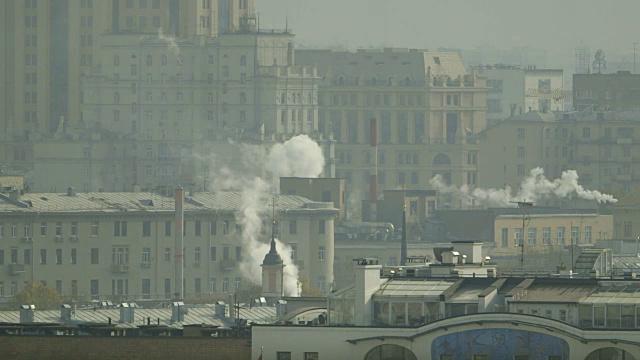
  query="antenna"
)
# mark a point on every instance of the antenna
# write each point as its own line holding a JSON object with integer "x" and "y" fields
{"x": 522, "y": 204}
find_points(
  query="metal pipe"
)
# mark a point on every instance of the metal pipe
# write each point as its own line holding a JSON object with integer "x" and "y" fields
{"x": 179, "y": 245}
{"x": 373, "y": 186}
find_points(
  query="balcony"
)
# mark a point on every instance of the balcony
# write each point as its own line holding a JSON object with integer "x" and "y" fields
{"x": 226, "y": 265}
{"x": 58, "y": 238}
{"x": 119, "y": 268}
{"x": 74, "y": 238}
{"x": 27, "y": 239}
{"x": 145, "y": 265}
{"x": 16, "y": 269}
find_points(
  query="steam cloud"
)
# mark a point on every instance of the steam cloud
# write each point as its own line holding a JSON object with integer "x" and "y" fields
{"x": 299, "y": 156}
{"x": 172, "y": 45}
{"x": 532, "y": 188}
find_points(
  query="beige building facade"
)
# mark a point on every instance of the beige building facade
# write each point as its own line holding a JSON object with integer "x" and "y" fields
{"x": 600, "y": 146}
{"x": 122, "y": 245}
{"x": 545, "y": 233}
{"x": 428, "y": 106}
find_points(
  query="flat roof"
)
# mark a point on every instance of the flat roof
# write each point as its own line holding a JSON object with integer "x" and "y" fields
{"x": 408, "y": 287}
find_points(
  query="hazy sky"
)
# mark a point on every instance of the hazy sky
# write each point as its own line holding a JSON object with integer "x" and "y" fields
{"x": 557, "y": 25}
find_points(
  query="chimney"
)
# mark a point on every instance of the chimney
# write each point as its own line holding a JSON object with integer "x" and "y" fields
{"x": 367, "y": 283}
{"x": 177, "y": 311}
{"x": 14, "y": 195}
{"x": 65, "y": 313}
{"x": 27, "y": 313}
{"x": 220, "y": 309}
{"x": 232, "y": 307}
{"x": 127, "y": 313}
{"x": 179, "y": 245}
{"x": 281, "y": 308}
{"x": 71, "y": 191}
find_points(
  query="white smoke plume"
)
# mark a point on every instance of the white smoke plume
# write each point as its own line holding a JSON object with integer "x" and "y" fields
{"x": 534, "y": 187}
{"x": 299, "y": 156}
{"x": 172, "y": 45}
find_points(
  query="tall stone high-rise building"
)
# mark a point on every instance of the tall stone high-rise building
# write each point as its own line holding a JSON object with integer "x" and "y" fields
{"x": 49, "y": 45}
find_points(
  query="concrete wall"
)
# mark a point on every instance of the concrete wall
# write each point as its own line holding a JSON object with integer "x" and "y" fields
{"x": 74, "y": 347}
{"x": 332, "y": 342}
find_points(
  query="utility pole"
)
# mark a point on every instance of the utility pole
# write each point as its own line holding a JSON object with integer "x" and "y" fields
{"x": 522, "y": 204}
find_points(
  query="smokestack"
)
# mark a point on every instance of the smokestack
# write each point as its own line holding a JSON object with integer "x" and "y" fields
{"x": 403, "y": 245}
{"x": 179, "y": 245}
{"x": 373, "y": 184}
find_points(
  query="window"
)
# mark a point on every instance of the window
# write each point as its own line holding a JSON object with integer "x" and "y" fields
{"x": 533, "y": 232}
{"x": 587, "y": 234}
{"x": 95, "y": 256}
{"x": 58, "y": 256}
{"x": 198, "y": 228}
{"x": 43, "y": 256}
{"x": 520, "y": 133}
{"x": 321, "y": 227}
{"x": 14, "y": 256}
{"x": 27, "y": 256}
{"x": 520, "y": 170}
{"x": 546, "y": 235}
{"x": 93, "y": 231}
{"x": 212, "y": 254}
{"x": 311, "y": 356}
{"x": 225, "y": 227}
{"x": 74, "y": 256}
{"x": 575, "y": 234}
{"x": 517, "y": 237}
{"x": 120, "y": 228}
{"x": 225, "y": 285}
{"x": 626, "y": 227}
{"x": 167, "y": 228}
{"x": 563, "y": 315}
{"x": 1, "y": 258}
{"x": 321, "y": 253}
{"x": 283, "y": 355}
{"x": 293, "y": 227}
{"x": 520, "y": 151}
{"x": 505, "y": 237}
{"x": 560, "y": 235}
{"x": 238, "y": 253}
{"x": 146, "y": 255}
{"x": 167, "y": 254}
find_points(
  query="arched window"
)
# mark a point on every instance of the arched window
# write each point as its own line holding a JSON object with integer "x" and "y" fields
{"x": 610, "y": 353}
{"x": 299, "y": 98}
{"x": 243, "y": 98}
{"x": 407, "y": 81}
{"x": 243, "y": 60}
{"x": 390, "y": 351}
{"x": 116, "y": 98}
{"x": 441, "y": 159}
{"x": 164, "y": 60}
{"x": 116, "y": 60}
{"x": 149, "y": 60}
{"x": 283, "y": 98}
{"x": 210, "y": 60}
{"x": 341, "y": 80}
{"x": 374, "y": 81}
{"x": 390, "y": 81}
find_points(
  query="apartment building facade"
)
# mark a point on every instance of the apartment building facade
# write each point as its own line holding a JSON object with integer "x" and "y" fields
{"x": 514, "y": 90}
{"x": 600, "y": 146}
{"x": 607, "y": 92}
{"x": 122, "y": 245}
{"x": 428, "y": 109}
{"x": 544, "y": 233}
